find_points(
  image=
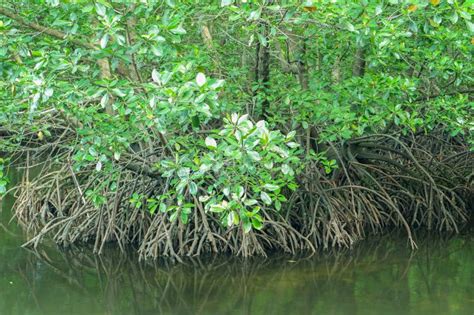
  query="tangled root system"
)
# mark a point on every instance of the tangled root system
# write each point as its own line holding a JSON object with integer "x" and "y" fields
{"x": 408, "y": 182}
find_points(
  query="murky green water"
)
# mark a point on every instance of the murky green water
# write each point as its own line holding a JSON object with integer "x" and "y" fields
{"x": 378, "y": 277}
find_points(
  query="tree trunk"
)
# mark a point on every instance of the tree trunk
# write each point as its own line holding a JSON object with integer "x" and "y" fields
{"x": 358, "y": 68}
{"x": 265, "y": 70}
{"x": 302, "y": 72}
{"x": 336, "y": 71}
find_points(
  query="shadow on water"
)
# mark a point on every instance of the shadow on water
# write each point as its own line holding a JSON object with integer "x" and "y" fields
{"x": 380, "y": 276}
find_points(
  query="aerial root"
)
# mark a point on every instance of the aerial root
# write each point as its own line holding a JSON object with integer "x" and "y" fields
{"x": 382, "y": 181}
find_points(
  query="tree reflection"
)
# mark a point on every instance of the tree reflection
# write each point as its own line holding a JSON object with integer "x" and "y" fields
{"x": 379, "y": 277}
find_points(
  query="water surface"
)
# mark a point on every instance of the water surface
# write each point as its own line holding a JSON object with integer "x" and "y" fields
{"x": 380, "y": 276}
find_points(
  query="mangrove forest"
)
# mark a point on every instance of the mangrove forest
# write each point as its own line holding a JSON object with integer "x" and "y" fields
{"x": 178, "y": 129}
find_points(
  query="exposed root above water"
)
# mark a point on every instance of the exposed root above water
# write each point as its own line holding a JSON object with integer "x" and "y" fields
{"x": 383, "y": 181}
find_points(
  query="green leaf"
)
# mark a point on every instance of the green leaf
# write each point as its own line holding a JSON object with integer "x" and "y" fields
{"x": 152, "y": 209}
{"x": 290, "y": 135}
{"x": 100, "y": 9}
{"x": 217, "y": 208}
{"x": 250, "y": 202}
{"x": 104, "y": 40}
{"x": 193, "y": 188}
{"x": 201, "y": 79}
{"x": 286, "y": 169}
{"x": 247, "y": 225}
{"x": 271, "y": 187}
{"x": 162, "y": 207}
{"x": 184, "y": 172}
{"x": 155, "y": 75}
{"x": 174, "y": 216}
{"x": 262, "y": 39}
{"x": 217, "y": 84}
{"x": 465, "y": 15}
{"x": 230, "y": 218}
{"x": 255, "y": 15}
{"x": 470, "y": 26}
{"x": 157, "y": 50}
{"x": 240, "y": 191}
{"x": 350, "y": 27}
{"x": 265, "y": 198}
{"x": 184, "y": 217}
{"x": 257, "y": 224}
{"x": 454, "y": 18}
{"x": 293, "y": 145}
{"x": 119, "y": 92}
{"x": 104, "y": 100}
{"x": 254, "y": 155}
{"x": 92, "y": 151}
{"x": 378, "y": 9}
{"x": 179, "y": 30}
{"x": 196, "y": 122}
{"x": 211, "y": 143}
{"x": 48, "y": 92}
{"x": 278, "y": 205}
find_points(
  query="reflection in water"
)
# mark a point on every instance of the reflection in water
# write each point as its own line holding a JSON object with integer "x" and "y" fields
{"x": 377, "y": 277}
{"x": 381, "y": 278}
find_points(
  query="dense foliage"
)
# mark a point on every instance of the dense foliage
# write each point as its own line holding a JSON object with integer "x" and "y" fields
{"x": 242, "y": 126}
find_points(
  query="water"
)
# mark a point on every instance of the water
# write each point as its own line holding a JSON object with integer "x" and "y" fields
{"x": 381, "y": 276}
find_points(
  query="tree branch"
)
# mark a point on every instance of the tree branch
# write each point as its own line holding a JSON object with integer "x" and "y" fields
{"x": 46, "y": 30}
{"x": 429, "y": 97}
